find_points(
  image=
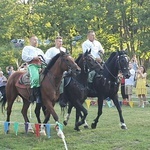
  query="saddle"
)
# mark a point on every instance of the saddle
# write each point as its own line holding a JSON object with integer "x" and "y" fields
{"x": 24, "y": 80}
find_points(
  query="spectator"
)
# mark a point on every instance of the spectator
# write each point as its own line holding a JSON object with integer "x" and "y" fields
{"x": 129, "y": 83}
{"x": 10, "y": 70}
{"x": 141, "y": 89}
{"x": 134, "y": 62}
{"x": 124, "y": 96}
{"x": 3, "y": 81}
{"x": 23, "y": 67}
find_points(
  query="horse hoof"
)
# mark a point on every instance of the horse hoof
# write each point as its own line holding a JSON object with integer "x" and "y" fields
{"x": 43, "y": 133}
{"x": 77, "y": 129}
{"x": 86, "y": 127}
{"x": 124, "y": 127}
{"x": 30, "y": 130}
{"x": 93, "y": 126}
{"x": 65, "y": 123}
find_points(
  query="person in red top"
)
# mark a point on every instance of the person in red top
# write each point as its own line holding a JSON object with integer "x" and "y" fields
{"x": 124, "y": 96}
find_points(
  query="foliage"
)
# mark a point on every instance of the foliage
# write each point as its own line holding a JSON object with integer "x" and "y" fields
{"x": 118, "y": 24}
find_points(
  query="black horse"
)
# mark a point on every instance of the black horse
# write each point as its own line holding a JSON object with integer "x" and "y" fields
{"x": 76, "y": 91}
{"x": 106, "y": 85}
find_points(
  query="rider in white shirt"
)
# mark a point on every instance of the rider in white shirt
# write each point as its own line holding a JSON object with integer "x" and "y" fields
{"x": 92, "y": 44}
{"x": 53, "y": 51}
{"x": 96, "y": 50}
{"x": 30, "y": 54}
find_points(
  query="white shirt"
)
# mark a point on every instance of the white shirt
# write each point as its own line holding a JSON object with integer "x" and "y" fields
{"x": 29, "y": 52}
{"x": 3, "y": 81}
{"x": 95, "y": 47}
{"x": 52, "y": 52}
{"x": 130, "y": 81}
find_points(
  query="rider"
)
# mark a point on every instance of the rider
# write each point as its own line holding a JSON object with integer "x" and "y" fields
{"x": 96, "y": 51}
{"x": 30, "y": 54}
{"x": 52, "y": 52}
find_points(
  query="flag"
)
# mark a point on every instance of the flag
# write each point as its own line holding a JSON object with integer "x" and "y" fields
{"x": 37, "y": 129}
{"x": 16, "y": 126}
{"x": 131, "y": 104}
{"x": 88, "y": 102}
{"x": 48, "y": 126}
{"x": 6, "y": 124}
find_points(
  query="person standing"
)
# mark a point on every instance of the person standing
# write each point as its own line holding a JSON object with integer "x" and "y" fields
{"x": 122, "y": 81}
{"x": 134, "y": 62}
{"x": 3, "y": 81}
{"x": 141, "y": 89}
{"x": 30, "y": 54}
{"x": 10, "y": 70}
{"x": 52, "y": 52}
{"x": 129, "y": 83}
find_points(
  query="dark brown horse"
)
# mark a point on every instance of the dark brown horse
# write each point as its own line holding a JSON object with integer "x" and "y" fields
{"x": 49, "y": 86}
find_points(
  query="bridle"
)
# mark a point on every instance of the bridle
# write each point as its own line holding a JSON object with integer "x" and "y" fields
{"x": 119, "y": 65}
{"x": 87, "y": 68}
{"x": 70, "y": 68}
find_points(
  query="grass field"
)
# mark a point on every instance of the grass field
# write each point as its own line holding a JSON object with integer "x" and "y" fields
{"x": 107, "y": 136}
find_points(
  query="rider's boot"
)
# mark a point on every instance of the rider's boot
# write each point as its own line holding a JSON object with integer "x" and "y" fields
{"x": 32, "y": 97}
{"x": 37, "y": 94}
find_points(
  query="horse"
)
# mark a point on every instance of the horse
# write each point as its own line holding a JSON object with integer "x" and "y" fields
{"x": 76, "y": 91}
{"x": 76, "y": 86}
{"x": 50, "y": 84}
{"x": 106, "y": 85}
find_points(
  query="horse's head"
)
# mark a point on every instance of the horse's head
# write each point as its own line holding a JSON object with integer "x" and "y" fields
{"x": 123, "y": 63}
{"x": 90, "y": 63}
{"x": 69, "y": 64}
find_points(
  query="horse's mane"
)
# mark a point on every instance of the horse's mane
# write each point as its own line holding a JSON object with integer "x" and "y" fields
{"x": 51, "y": 63}
{"x": 111, "y": 57}
{"x": 77, "y": 60}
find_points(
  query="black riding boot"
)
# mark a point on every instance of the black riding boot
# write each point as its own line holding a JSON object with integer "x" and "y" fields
{"x": 62, "y": 101}
{"x": 37, "y": 94}
{"x": 32, "y": 97}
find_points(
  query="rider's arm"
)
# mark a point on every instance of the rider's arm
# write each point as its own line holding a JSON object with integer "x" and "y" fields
{"x": 26, "y": 54}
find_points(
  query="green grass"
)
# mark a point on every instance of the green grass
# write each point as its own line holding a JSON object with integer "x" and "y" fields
{"x": 107, "y": 136}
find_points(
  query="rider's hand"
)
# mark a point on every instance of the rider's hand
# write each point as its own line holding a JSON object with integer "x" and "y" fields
{"x": 36, "y": 58}
{"x": 99, "y": 60}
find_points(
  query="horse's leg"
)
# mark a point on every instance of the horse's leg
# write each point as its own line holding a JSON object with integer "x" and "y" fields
{"x": 37, "y": 111}
{"x": 66, "y": 119}
{"x": 24, "y": 110}
{"x": 116, "y": 103}
{"x": 47, "y": 116}
{"x": 80, "y": 108}
{"x": 77, "y": 119}
{"x": 50, "y": 110}
{"x": 44, "y": 110}
{"x": 78, "y": 114}
{"x": 100, "y": 106}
